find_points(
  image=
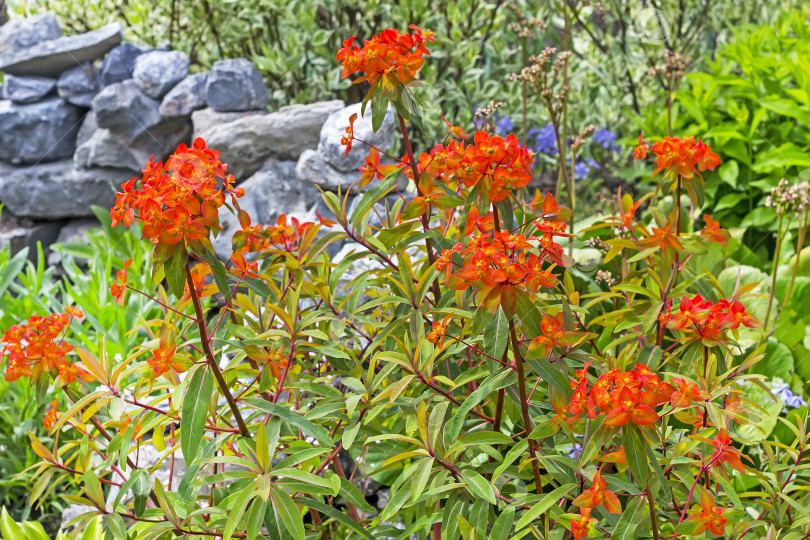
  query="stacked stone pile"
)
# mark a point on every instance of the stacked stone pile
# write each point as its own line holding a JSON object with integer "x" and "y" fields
{"x": 80, "y": 115}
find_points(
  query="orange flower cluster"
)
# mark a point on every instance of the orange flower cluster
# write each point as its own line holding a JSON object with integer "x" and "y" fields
{"x": 389, "y": 58}
{"x": 705, "y": 319}
{"x": 554, "y": 335}
{"x": 683, "y": 157}
{"x": 52, "y": 415}
{"x": 583, "y": 525}
{"x": 598, "y": 494}
{"x": 39, "y": 348}
{"x": 179, "y": 201}
{"x": 165, "y": 359}
{"x": 497, "y": 165}
{"x": 630, "y": 396}
{"x": 284, "y": 235}
{"x": 713, "y": 231}
{"x": 118, "y": 289}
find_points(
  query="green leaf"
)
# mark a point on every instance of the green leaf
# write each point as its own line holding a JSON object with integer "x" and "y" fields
{"x": 373, "y": 195}
{"x": 175, "y": 269}
{"x": 379, "y": 106}
{"x": 203, "y": 249}
{"x": 195, "y": 411}
{"x": 334, "y": 514}
{"x": 544, "y": 504}
{"x": 236, "y": 512}
{"x": 290, "y": 516}
{"x": 551, "y": 374}
{"x": 478, "y": 486}
{"x": 625, "y": 528}
{"x": 141, "y": 486}
{"x": 636, "y": 453}
{"x": 503, "y": 525}
{"x": 496, "y": 335}
{"x": 319, "y": 432}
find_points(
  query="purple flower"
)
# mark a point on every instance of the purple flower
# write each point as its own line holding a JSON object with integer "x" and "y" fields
{"x": 504, "y": 125}
{"x": 791, "y": 400}
{"x": 575, "y": 451}
{"x": 543, "y": 140}
{"x": 606, "y": 139}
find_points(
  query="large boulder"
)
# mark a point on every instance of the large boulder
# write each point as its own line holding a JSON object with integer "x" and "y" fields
{"x": 50, "y": 58}
{"x": 272, "y": 191}
{"x": 312, "y": 168}
{"x": 247, "y": 142}
{"x": 157, "y": 72}
{"x": 43, "y": 131}
{"x": 106, "y": 149}
{"x": 57, "y": 190}
{"x": 88, "y": 127}
{"x": 22, "y": 34}
{"x": 20, "y": 233}
{"x": 79, "y": 85}
{"x": 207, "y": 118}
{"x": 125, "y": 110}
{"x": 188, "y": 96}
{"x": 27, "y": 89}
{"x": 335, "y": 128}
{"x": 236, "y": 85}
{"x": 120, "y": 63}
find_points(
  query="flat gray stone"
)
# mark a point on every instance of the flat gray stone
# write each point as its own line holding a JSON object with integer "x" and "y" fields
{"x": 188, "y": 96}
{"x": 157, "y": 72}
{"x": 42, "y": 131}
{"x": 125, "y": 110}
{"x": 21, "y": 34}
{"x": 27, "y": 89}
{"x": 236, "y": 85}
{"x": 246, "y": 143}
{"x": 204, "y": 119}
{"x": 335, "y": 128}
{"x": 79, "y": 85}
{"x": 89, "y": 126}
{"x": 120, "y": 63}
{"x": 51, "y": 58}
{"x": 57, "y": 190}
{"x": 312, "y": 168}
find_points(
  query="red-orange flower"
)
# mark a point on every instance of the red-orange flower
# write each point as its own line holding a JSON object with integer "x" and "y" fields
{"x": 640, "y": 151}
{"x": 631, "y": 405}
{"x": 707, "y": 516}
{"x": 598, "y": 494}
{"x": 165, "y": 358}
{"x": 683, "y": 157}
{"x": 664, "y": 239}
{"x": 119, "y": 287}
{"x": 52, "y": 416}
{"x": 725, "y": 453}
{"x": 554, "y": 335}
{"x": 373, "y": 169}
{"x": 36, "y": 348}
{"x": 713, "y": 230}
{"x": 581, "y": 526}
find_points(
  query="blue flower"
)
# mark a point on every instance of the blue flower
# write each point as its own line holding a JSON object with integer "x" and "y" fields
{"x": 575, "y": 451}
{"x": 606, "y": 139}
{"x": 791, "y": 400}
{"x": 504, "y": 125}
{"x": 543, "y": 140}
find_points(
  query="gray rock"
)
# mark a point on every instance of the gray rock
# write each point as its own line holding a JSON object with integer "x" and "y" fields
{"x": 56, "y": 190}
{"x": 27, "y": 89}
{"x": 188, "y": 96}
{"x": 236, "y": 85}
{"x": 335, "y": 128}
{"x": 20, "y": 233}
{"x": 89, "y": 126}
{"x": 312, "y": 168}
{"x": 120, "y": 63}
{"x": 125, "y": 110}
{"x": 246, "y": 143}
{"x": 43, "y": 131}
{"x": 79, "y": 85}
{"x": 106, "y": 149}
{"x": 157, "y": 72}
{"x": 50, "y": 58}
{"x": 21, "y": 34}
{"x": 272, "y": 191}
{"x": 204, "y": 119}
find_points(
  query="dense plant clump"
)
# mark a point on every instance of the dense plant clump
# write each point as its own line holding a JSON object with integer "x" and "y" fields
{"x": 498, "y": 382}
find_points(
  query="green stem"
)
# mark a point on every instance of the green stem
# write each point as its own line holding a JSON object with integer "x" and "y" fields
{"x": 774, "y": 268}
{"x": 799, "y": 246}
{"x": 653, "y": 517}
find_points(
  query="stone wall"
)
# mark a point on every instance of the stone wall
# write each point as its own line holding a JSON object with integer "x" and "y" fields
{"x": 80, "y": 115}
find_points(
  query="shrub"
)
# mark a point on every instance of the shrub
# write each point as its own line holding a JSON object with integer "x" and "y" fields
{"x": 479, "y": 368}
